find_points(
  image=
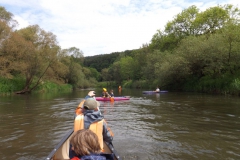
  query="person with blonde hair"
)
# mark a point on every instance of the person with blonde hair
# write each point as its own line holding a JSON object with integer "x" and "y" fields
{"x": 86, "y": 146}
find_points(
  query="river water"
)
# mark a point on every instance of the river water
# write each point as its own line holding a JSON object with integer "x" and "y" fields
{"x": 147, "y": 127}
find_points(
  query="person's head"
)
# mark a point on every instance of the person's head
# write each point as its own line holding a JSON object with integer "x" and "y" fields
{"x": 92, "y": 93}
{"x": 104, "y": 89}
{"x": 91, "y": 104}
{"x": 85, "y": 142}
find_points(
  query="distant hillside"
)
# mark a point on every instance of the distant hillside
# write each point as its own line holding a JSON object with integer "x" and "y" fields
{"x": 102, "y": 61}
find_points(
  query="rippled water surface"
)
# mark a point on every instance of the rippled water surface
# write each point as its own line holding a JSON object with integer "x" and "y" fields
{"x": 162, "y": 126}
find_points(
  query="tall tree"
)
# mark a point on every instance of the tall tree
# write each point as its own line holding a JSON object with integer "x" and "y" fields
{"x": 127, "y": 67}
{"x": 230, "y": 34}
{"x": 114, "y": 72}
{"x": 38, "y": 50}
{"x": 183, "y": 24}
{"x": 211, "y": 19}
{"x": 7, "y": 17}
{"x": 5, "y": 33}
{"x": 15, "y": 55}
{"x": 75, "y": 72}
{"x": 233, "y": 13}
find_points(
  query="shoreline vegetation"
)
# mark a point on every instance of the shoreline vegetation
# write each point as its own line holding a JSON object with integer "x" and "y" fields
{"x": 8, "y": 87}
{"x": 11, "y": 86}
{"x": 197, "y": 51}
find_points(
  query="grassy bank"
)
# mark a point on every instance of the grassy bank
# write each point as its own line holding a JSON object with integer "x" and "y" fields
{"x": 9, "y": 86}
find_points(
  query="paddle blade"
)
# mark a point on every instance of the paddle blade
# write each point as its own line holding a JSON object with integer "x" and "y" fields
{"x": 112, "y": 99}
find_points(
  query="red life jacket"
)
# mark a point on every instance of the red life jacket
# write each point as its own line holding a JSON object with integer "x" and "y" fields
{"x": 75, "y": 158}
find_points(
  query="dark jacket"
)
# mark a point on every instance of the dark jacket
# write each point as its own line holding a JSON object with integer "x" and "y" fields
{"x": 91, "y": 116}
{"x": 111, "y": 94}
{"x": 101, "y": 156}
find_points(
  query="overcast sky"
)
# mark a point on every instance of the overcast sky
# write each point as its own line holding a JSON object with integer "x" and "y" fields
{"x": 102, "y": 26}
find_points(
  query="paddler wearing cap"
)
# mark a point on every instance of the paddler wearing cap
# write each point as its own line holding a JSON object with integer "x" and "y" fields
{"x": 91, "y": 118}
{"x": 105, "y": 93}
{"x": 78, "y": 110}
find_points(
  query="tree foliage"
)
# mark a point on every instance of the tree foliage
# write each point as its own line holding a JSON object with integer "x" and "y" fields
{"x": 7, "y": 17}
{"x": 196, "y": 51}
{"x": 184, "y": 23}
{"x": 34, "y": 54}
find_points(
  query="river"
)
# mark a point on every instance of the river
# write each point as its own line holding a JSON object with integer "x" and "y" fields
{"x": 171, "y": 125}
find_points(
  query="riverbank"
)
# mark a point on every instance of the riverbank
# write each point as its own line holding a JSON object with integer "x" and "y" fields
{"x": 209, "y": 86}
{"x": 10, "y": 86}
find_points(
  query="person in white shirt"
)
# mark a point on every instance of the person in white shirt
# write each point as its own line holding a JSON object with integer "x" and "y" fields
{"x": 157, "y": 89}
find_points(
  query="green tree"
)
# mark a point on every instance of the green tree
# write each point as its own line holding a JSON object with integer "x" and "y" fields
{"x": 170, "y": 70}
{"x": 183, "y": 24}
{"x": 105, "y": 74}
{"x": 5, "y": 33}
{"x": 7, "y": 17}
{"x": 233, "y": 13}
{"x": 127, "y": 67}
{"x": 75, "y": 73}
{"x": 114, "y": 72}
{"x": 76, "y": 53}
{"x": 95, "y": 74}
{"x": 149, "y": 69}
{"x": 230, "y": 34}
{"x": 211, "y": 20}
{"x": 38, "y": 52}
{"x": 16, "y": 55}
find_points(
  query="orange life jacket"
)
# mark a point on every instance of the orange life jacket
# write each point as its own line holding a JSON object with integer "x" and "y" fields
{"x": 79, "y": 122}
{"x": 96, "y": 127}
{"x": 78, "y": 110}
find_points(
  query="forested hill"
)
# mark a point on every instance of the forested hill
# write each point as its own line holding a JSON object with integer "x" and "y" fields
{"x": 102, "y": 61}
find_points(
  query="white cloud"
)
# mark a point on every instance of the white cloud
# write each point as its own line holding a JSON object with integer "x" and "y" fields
{"x": 101, "y": 27}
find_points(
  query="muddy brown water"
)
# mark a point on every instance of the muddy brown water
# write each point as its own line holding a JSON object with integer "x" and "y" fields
{"x": 170, "y": 125}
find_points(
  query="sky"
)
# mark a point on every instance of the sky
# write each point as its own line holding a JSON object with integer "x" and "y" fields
{"x": 102, "y": 26}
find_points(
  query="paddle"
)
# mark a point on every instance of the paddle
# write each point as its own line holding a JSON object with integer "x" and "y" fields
{"x": 111, "y": 147}
{"x": 112, "y": 99}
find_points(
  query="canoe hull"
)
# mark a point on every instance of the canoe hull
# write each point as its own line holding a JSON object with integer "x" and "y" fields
{"x": 109, "y": 99}
{"x": 61, "y": 151}
{"x": 153, "y": 92}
